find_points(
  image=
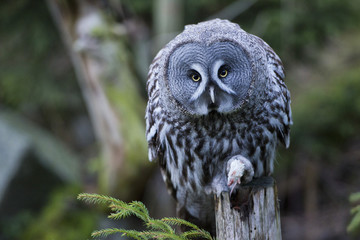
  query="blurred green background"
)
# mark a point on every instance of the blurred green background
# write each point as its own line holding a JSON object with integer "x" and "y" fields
{"x": 72, "y": 102}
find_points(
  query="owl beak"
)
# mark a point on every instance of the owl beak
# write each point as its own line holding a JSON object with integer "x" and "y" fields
{"x": 212, "y": 94}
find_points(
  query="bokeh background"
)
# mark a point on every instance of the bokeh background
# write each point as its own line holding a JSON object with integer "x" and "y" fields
{"x": 72, "y": 102}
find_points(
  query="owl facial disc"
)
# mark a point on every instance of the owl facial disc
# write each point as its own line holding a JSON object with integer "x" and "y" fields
{"x": 204, "y": 78}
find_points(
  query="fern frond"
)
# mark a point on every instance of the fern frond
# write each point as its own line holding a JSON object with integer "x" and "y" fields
{"x": 178, "y": 222}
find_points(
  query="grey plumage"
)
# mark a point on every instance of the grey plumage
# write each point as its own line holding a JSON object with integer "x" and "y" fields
{"x": 216, "y": 95}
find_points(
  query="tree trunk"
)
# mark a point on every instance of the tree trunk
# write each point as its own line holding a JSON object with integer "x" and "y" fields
{"x": 96, "y": 45}
{"x": 168, "y": 21}
{"x": 257, "y": 218}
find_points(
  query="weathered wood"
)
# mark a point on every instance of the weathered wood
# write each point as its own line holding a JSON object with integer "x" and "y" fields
{"x": 257, "y": 218}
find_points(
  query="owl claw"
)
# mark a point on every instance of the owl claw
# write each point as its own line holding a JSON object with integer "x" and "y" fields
{"x": 232, "y": 189}
{"x": 240, "y": 171}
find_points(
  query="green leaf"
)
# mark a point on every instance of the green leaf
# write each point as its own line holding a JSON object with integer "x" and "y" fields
{"x": 354, "y": 197}
{"x": 355, "y": 209}
{"x": 354, "y": 225}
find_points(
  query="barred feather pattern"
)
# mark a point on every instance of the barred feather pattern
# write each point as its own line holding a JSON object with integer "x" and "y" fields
{"x": 192, "y": 151}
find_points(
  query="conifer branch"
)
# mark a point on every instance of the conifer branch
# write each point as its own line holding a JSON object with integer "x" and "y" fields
{"x": 179, "y": 221}
{"x": 161, "y": 229}
{"x": 99, "y": 199}
{"x": 195, "y": 234}
{"x": 156, "y": 224}
{"x": 162, "y": 235}
{"x": 129, "y": 233}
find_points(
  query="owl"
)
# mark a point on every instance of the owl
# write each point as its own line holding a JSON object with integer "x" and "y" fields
{"x": 217, "y": 109}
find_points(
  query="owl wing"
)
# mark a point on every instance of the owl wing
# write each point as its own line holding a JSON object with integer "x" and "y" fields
{"x": 282, "y": 101}
{"x": 153, "y": 110}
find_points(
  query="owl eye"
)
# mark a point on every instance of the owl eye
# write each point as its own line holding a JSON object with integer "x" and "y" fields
{"x": 195, "y": 76}
{"x": 223, "y": 72}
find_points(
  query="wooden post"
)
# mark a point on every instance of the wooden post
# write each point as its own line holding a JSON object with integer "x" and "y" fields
{"x": 257, "y": 218}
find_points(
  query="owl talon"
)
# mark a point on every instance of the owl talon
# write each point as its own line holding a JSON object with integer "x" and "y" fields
{"x": 240, "y": 171}
{"x": 232, "y": 189}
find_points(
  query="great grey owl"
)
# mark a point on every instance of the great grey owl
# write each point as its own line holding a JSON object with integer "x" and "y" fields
{"x": 217, "y": 108}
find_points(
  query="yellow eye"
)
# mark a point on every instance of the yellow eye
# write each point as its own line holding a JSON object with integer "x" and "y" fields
{"x": 195, "y": 77}
{"x": 223, "y": 73}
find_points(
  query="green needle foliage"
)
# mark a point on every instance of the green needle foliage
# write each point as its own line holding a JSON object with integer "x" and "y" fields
{"x": 156, "y": 228}
{"x": 354, "y": 225}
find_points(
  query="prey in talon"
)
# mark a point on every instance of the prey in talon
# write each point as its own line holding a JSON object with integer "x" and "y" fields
{"x": 240, "y": 171}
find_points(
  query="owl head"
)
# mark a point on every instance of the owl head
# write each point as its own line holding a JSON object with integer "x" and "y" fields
{"x": 210, "y": 67}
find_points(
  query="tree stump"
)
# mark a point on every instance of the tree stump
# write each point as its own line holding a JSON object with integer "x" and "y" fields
{"x": 258, "y": 216}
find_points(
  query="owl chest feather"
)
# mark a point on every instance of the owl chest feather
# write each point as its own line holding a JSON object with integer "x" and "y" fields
{"x": 196, "y": 150}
